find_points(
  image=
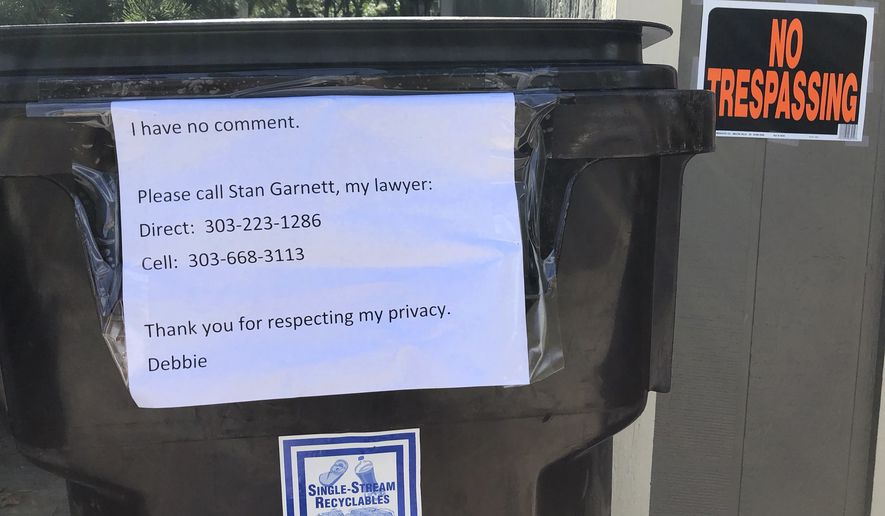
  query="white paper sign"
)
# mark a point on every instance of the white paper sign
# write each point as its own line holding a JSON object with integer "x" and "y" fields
{"x": 364, "y": 474}
{"x": 311, "y": 246}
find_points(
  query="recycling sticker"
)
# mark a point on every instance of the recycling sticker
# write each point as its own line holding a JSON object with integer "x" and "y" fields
{"x": 356, "y": 474}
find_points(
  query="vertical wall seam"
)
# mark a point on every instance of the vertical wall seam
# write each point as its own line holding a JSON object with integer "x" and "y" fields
{"x": 752, "y": 326}
{"x": 861, "y": 327}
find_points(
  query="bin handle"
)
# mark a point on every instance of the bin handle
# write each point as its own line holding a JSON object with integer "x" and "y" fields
{"x": 672, "y": 125}
{"x": 632, "y": 123}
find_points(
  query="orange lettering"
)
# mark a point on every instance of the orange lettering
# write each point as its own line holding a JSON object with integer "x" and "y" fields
{"x": 799, "y": 95}
{"x": 849, "y": 99}
{"x": 770, "y": 90}
{"x": 794, "y": 53}
{"x": 783, "y": 97}
{"x": 726, "y": 91}
{"x": 813, "y": 85}
{"x": 778, "y": 42}
{"x": 713, "y": 75}
{"x": 756, "y": 84}
{"x": 740, "y": 93}
{"x": 834, "y": 97}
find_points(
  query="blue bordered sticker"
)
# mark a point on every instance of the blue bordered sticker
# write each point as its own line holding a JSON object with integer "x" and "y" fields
{"x": 357, "y": 474}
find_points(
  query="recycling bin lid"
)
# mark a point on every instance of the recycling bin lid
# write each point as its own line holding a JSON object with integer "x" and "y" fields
{"x": 216, "y": 45}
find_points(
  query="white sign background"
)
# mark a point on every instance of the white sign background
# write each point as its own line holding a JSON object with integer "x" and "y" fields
{"x": 395, "y": 457}
{"x": 456, "y": 244}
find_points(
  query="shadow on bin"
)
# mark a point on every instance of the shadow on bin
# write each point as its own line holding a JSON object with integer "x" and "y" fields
{"x": 611, "y": 135}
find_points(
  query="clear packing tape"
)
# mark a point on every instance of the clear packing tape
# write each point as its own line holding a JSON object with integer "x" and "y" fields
{"x": 93, "y": 186}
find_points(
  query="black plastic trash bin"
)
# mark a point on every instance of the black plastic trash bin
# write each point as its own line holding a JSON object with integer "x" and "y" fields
{"x": 614, "y": 135}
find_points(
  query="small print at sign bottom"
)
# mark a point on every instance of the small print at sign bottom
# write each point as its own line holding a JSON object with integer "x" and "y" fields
{"x": 355, "y": 474}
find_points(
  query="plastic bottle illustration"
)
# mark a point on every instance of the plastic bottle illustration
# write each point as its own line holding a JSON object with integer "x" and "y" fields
{"x": 370, "y": 511}
{"x": 366, "y": 471}
{"x": 331, "y": 477}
